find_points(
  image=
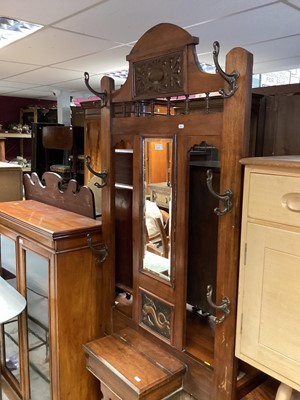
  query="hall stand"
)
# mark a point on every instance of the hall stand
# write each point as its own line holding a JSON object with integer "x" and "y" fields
{"x": 147, "y": 319}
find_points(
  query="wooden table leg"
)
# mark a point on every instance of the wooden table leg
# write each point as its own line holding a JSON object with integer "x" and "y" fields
{"x": 2, "y": 149}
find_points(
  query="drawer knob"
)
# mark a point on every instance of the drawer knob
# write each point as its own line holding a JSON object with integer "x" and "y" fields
{"x": 291, "y": 201}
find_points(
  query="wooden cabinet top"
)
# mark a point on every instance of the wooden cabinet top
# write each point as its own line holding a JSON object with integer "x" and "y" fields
{"x": 34, "y": 218}
{"x": 15, "y": 135}
{"x": 273, "y": 161}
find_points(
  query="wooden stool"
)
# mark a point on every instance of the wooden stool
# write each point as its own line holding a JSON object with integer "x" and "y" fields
{"x": 130, "y": 367}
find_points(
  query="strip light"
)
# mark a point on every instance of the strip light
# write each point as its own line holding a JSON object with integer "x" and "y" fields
{"x": 12, "y": 30}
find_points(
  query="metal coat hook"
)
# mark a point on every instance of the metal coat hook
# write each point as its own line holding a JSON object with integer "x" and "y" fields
{"x": 226, "y": 198}
{"x": 223, "y": 306}
{"x": 102, "y": 95}
{"x": 102, "y": 175}
{"x": 100, "y": 250}
{"x": 231, "y": 79}
{"x": 207, "y": 101}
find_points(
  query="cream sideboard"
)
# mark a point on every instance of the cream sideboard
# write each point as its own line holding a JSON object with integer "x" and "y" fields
{"x": 268, "y": 323}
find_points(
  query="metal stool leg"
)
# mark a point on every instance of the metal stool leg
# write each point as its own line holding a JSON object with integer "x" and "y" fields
{"x": 284, "y": 392}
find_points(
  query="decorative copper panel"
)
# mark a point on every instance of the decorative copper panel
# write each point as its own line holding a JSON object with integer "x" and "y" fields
{"x": 156, "y": 315}
{"x": 159, "y": 76}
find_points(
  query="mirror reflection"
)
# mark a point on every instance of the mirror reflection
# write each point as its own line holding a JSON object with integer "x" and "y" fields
{"x": 157, "y": 205}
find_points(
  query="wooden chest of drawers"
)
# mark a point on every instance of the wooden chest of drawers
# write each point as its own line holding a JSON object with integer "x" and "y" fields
{"x": 160, "y": 193}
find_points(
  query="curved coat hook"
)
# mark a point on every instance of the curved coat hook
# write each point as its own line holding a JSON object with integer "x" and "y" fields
{"x": 102, "y": 175}
{"x": 102, "y": 95}
{"x": 231, "y": 79}
{"x": 226, "y": 198}
{"x": 101, "y": 250}
{"x": 223, "y": 306}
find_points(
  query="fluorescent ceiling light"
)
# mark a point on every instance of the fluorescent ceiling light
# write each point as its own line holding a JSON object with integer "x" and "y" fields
{"x": 12, "y": 30}
{"x": 118, "y": 74}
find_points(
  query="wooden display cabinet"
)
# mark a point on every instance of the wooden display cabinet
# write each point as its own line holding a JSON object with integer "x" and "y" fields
{"x": 45, "y": 254}
{"x": 268, "y": 324}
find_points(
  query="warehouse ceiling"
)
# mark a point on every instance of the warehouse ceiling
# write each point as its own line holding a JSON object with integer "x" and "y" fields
{"x": 96, "y": 36}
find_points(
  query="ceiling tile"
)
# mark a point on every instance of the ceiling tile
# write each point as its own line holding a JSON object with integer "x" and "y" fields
{"x": 9, "y": 69}
{"x": 127, "y": 23}
{"x": 246, "y": 29}
{"x": 42, "y": 12}
{"x": 294, "y": 2}
{"x": 47, "y": 76}
{"x": 50, "y": 45}
{"x": 102, "y": 62}
{"x": 281, "y": 53}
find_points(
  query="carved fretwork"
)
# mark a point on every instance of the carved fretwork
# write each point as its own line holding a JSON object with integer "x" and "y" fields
{"x": 159, "y": 76}
{"x": 156, "y": 315}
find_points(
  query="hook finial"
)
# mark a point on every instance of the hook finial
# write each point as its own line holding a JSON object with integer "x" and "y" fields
{"x": 231, "y": 79}
{"x": 102, "y": 95}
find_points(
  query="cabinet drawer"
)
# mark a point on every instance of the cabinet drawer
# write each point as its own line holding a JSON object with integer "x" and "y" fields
{"x": 161, "y": 199}
{"x": 108, "y": 394}
{"x": 275, "y": 198}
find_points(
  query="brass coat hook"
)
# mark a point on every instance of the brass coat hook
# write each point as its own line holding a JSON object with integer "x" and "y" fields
{"x": 223, "y": 306}
{"x": 231, "y": 79}
{"x": 226, "y": 198}
{"x": 101, "y": 250}
{"x": 102, "y": 175}
{"x": 102, "y": 95}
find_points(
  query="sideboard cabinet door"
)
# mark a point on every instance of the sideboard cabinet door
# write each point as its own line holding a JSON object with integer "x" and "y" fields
{"x": 268, "y": 328}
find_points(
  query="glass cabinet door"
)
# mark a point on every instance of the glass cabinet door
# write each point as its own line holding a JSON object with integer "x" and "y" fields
{"x": 25, "y": 344}
{"x": 10, "y": 349}
{"x": 36, "y": 278}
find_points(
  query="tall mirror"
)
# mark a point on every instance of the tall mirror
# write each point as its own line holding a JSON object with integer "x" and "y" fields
{"x": 157, "y": 195}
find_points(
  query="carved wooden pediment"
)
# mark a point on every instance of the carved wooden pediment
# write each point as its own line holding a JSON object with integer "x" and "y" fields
{"x": 80, "y": 201}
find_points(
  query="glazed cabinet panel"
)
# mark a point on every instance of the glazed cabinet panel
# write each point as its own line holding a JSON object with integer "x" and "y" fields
{"x": 54, "y": 268}
{"x": 268, "y": 330}
{"x": 26, "y": 344}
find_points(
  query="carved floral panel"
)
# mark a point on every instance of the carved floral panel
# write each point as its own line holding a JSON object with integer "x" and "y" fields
{"x": 159, "y": 76}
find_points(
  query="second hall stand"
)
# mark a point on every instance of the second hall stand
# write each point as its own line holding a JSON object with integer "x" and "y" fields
{"x": 170, "y": 320}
